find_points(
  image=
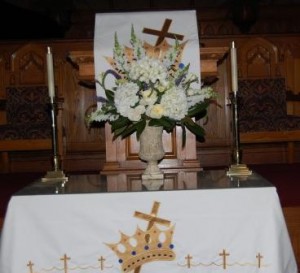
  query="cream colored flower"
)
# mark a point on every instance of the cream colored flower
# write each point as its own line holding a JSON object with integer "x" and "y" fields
{"x": 149, "y": 97}
{"x": 156, "y": 111}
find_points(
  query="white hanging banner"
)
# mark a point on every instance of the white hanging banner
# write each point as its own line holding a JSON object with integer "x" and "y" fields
{"x": 154, "y": 28}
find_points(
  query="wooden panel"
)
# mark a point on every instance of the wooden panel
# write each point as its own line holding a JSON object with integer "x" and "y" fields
{"x": 25, "y": 145}
{"x": 2, "y": 71}
{"x": 292, "y": 218}
{"x": 258, "y": 58}
{"x": 272, "y": 136}
{"x": 216, "y": 150}
{"x": 2, "y": 93}
{"x": 296, "y": 87}
{"x": 83, "y": 147}
{"x": 28, "y": 66}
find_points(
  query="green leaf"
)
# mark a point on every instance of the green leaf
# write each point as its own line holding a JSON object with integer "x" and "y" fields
{"x": 119, "y": 132}
{"x": 183, "y": 136}
{"x": 198, "y": 108}
{"x": 119, "y": 123}
{"x": 194, "y": 127}
{"x": 110, "y": 95}
{"x": 165, "y": 122}
{"x": 201, "y": 114}
{"x": 129, "y": 130}
{"x": 140, "y": 126}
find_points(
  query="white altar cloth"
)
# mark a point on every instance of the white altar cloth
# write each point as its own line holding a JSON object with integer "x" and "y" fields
{"x": 215, "y": 230}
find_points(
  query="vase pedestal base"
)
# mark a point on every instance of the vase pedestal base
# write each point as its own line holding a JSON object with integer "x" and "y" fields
{"x": 153, "y": 184}
{"x": 152, "y": 171}
{"x": 150, "y": 176}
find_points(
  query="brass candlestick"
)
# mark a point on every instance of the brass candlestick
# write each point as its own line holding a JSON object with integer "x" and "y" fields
{"x": 236, "y": 169}
{"x": 56, "y": 174}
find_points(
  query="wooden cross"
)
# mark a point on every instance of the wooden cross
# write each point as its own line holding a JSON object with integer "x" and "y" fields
{"x": 224, "y": 254}
{"x": 152, "y": 219}
{"x": 162, "y": 34}
{"x": 101, "y": 260}
{"x": 65, "y": 258}
{"x": 189, "y": 260}
{"x": 259, "y": 258}
{"x": 30, "y": 265}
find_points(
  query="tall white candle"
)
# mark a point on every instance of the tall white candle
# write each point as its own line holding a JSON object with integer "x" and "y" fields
{"x": 50, "y": 73}
{"x": 234, "y": 72}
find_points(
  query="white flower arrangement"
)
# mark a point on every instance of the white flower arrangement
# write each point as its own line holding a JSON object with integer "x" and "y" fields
{"x": 157, "y": 89}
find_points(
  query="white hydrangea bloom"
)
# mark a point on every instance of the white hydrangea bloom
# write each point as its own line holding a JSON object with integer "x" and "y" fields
{"x": 197, "y": 96}
{"x": 148, "y": 70}
{"x": 135, "y": 114}
{"x": 126, "y": 97}
{"x": 174, "y": 103}
{"x": 193, "y": 100}
{"x": 208, "y": 92}
{"x": 192, "y": 91}
{"x": 100, "y": 116}
{"x": 164, "y": 85}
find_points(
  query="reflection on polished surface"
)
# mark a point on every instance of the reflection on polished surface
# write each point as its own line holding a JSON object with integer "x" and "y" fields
{"x": 122, "y": 182}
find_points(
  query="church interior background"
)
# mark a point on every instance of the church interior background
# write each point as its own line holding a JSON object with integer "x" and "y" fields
{"x": 266, "y": 34}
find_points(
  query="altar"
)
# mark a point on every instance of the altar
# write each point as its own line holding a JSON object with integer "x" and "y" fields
{"x": 88, "y": 224}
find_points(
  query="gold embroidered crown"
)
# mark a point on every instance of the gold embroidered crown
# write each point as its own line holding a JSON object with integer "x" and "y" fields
{"x": 144, "y": 247}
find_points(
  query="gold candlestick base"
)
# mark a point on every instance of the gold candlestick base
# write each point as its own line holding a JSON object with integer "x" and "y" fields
{"x": 54, "y": 176}
{"x": 239, "y": 170}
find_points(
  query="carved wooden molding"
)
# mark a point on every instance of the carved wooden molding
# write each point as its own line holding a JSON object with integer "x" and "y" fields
{"x": 258, "y": 58}
{"x": 210, "y": 56}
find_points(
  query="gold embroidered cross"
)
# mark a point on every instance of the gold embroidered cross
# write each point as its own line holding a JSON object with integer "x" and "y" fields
{"x": 162, "y": 34}
{"x": 224, "y": 254}
{"x": 101, "y": 260}
{"x": 189, "y": 260}
{"x": 30, "y": 265}
{"x": 259, "y": 258}
{"x": 152, "y": 219}
{"x": 65, "y": 258}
